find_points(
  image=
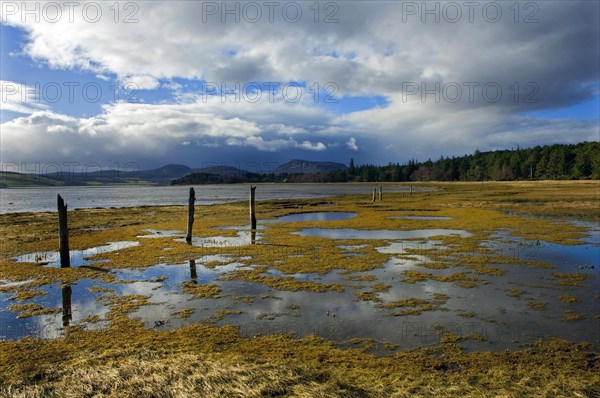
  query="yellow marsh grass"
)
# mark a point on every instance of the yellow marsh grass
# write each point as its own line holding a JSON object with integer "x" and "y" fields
{"x": 206, "y": 361}
{"x": 202, "y": 360}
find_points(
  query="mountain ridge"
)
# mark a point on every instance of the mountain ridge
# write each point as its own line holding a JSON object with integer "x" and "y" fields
{"x": 300, "y": 166}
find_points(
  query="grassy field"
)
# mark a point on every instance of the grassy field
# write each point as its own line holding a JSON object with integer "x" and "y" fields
{"x": 15, "y": 180}
{"x": 205, "y": 360}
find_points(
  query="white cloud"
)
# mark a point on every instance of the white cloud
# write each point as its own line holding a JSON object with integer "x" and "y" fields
{"x": 351, "y": 144}
{"x": 140, "y": 82}
{"x": 370, "y": 51}
{"x": 19, "y": 98}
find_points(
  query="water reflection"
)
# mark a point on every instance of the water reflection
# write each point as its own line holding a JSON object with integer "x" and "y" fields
{"x": 432, "y": 218}
{"x": 314, "y": 216}
{"x": 193, "y": 272}
{"x": 243, "y": 238}
{"x": 502, "y": 319}
{"x": 78, "y": 257}
{"x": 67, "y": 315}
{"x": 348, "y": 233}
{"x": 160, "y": 233}
{"x": 74, "y": 304}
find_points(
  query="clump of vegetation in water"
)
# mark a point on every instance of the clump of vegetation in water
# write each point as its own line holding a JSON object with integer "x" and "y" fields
{"x": 565, "y": 298}
{"x": 27, "y": 310}
{"x": 202, "y": 291}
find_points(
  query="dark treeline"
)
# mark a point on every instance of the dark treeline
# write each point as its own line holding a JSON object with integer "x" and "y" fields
{"x": 560, "y": 161}
{"x": 579, "y": 161}
{"x": 213, "y": 178}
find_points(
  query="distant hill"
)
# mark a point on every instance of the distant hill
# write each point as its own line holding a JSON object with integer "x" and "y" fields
{"x": 11, "y": 179}
{"x": 220, "y": 175}
{"x": 298, "y": 166}
{"x": 221, "y": 170}
{"x": 161, "y": 176}
{"x": 558, "y": 161}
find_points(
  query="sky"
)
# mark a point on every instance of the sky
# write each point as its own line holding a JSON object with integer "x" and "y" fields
{"x": 147, "y": 83}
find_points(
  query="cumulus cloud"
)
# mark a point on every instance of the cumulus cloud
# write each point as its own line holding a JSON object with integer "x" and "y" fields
{"x": 351, "y": 143}
{"x": 503, "y": 71}
{"x": 140, "y": 82}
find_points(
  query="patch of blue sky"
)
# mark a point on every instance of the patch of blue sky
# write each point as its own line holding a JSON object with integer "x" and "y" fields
{"x": 323, "y": 95}
{"x": 586, "y": 110}
{"x": 344, "y": 105}
{"x": 72, "y": 92}
{"x": 317, "y": 52}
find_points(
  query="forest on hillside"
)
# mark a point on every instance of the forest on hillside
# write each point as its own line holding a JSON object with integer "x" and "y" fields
{"x": 554, "y": 162}
{"x": 550, "y": 162}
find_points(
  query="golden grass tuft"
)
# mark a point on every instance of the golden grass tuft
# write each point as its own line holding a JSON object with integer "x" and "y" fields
{"x": 27, "y": 310}
{"x": 202, "y": 291}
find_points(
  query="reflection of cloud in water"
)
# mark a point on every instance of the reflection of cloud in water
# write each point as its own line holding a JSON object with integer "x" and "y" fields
{"x": 160, "y": 233}
{"x": 338, "y": 316}
{"x": 314, "y": 216}
{"x": 78, "y": 257}
{"x": 348, "y": 233}
{"x": 83, "y": 303}
{"x": 429, "y": 218}
{"x": 243, "y": 238}
{"x": 506, "y": 321}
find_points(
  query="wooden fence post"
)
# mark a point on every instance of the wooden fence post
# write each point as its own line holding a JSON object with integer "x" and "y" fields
{"x": 380, "y": 193}
{"x": 191, "y": 202}
{"x": 411, "y": 189}
{"x": 252, "y": 211}
{"x": 374, "y": 194}
{"x": 63, "y": 234}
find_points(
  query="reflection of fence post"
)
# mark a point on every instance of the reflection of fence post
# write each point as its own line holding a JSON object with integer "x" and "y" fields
{"x": 67, "y": 315}
{"x": 380, "y": 192}
{"x": 253, "y": 237}
{"x": 252, "y": 212}
{"x": 374, "y": 194}
{"x": 193, "y": 273}
{"x": 191, "y": 201}
{"x": 63, "y": 234}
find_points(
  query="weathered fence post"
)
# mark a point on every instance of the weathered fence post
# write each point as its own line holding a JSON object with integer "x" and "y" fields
{"x": 374, "y": 194}
{"x": 67, "y": 314}
{"x": 63, "y": 234}
{"x": 380, "y": 192}
{"x": 252, "y": 212}
{"x": 411, "y": 189}
{"x": 191, "y": 202}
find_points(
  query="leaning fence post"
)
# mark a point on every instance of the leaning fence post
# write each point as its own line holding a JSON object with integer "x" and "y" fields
{"x": 191, "y": 201}
{"x": 380, "y": 192}
{"x": 63, "y": 234}
{"x": 252, "y": 213}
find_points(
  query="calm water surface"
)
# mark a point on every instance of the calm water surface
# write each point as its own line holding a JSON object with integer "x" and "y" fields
{"x": 13, "y": 200}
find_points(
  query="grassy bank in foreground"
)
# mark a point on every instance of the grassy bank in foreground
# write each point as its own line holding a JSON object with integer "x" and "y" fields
{"x": 205, "y": 360}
